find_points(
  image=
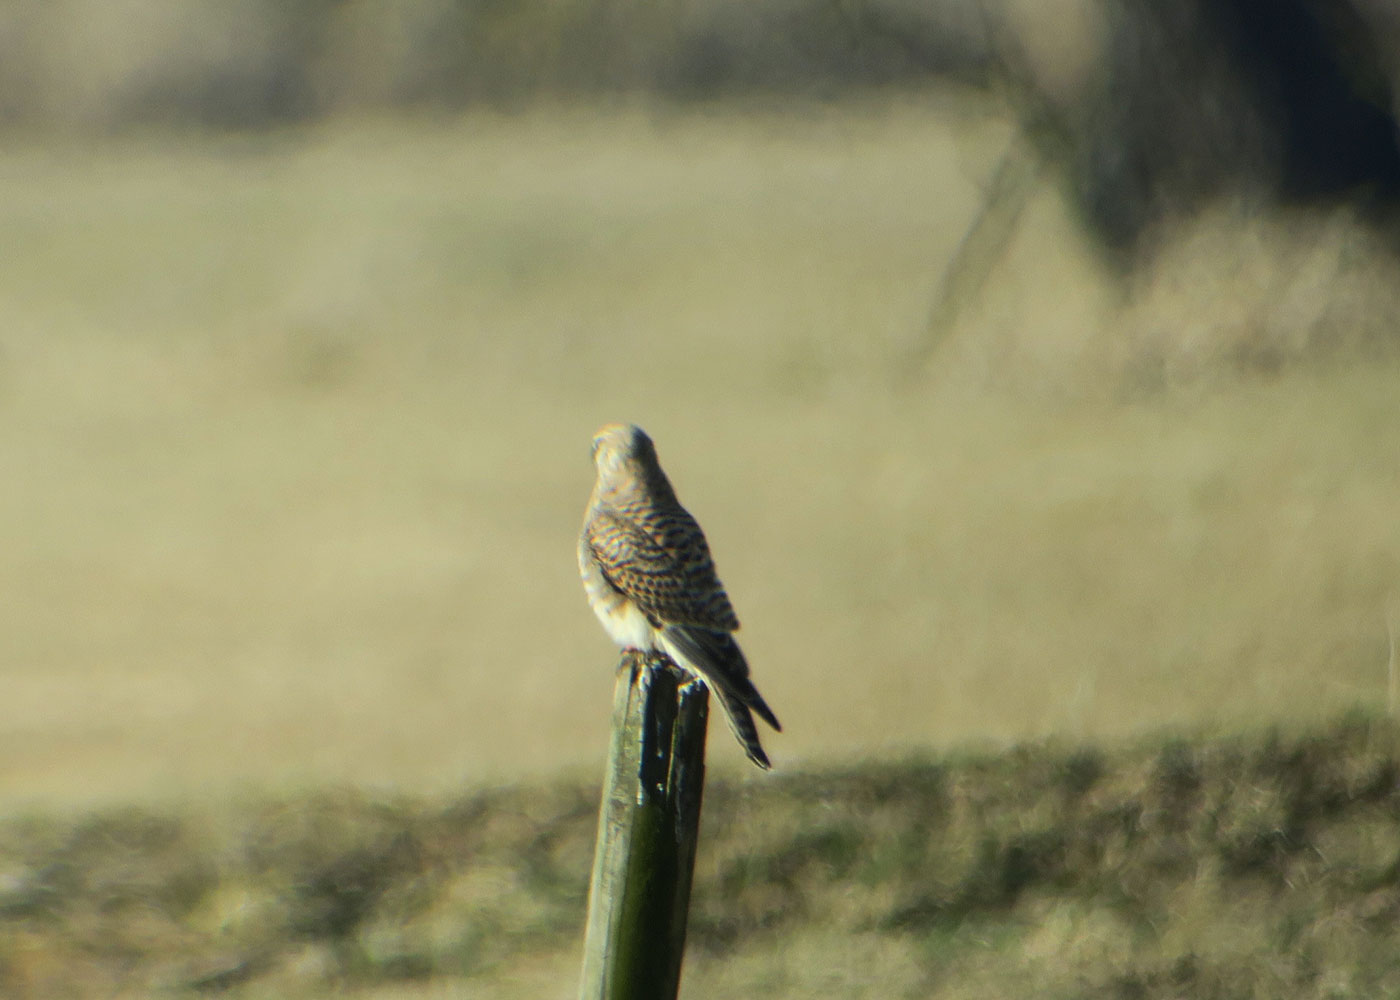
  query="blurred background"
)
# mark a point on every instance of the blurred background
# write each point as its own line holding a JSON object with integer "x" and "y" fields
{"x": 1031, "y": 366}
{"x": 310, "y": 310}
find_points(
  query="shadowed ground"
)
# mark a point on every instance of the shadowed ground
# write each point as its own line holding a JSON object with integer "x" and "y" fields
{"x": 1262, "y": 865}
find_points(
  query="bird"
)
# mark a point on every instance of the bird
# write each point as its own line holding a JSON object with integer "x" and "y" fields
{"x": 650, "y": 579}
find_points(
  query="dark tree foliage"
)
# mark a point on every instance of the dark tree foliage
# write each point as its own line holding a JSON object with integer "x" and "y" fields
{"x": 1284, "y": 98}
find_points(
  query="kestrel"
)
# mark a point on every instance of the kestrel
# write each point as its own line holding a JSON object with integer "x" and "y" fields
{"x": 648, "y": 574}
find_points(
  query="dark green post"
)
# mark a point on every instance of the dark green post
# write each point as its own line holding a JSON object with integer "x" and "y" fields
{"x": 648, "y": 826}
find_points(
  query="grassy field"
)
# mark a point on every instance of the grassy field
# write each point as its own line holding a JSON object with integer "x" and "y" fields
{"x": 1259, "y": 866}
{"x": 297, "y": 436}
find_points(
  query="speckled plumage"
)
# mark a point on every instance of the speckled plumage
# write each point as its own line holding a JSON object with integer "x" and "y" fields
{"x": 649, "y": 577}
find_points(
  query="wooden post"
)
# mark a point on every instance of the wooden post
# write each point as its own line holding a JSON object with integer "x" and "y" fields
{"x": 648, "y": 826}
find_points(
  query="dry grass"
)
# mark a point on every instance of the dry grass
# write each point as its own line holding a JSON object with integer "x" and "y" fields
{"x": 1264, "y": 865}
{"x": 296, "y": 430}
{"x": 296, "y": 435}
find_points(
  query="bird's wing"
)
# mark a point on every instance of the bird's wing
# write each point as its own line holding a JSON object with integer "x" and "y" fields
{"x": 721, "y": 662}
{"x": 667, "y": 573}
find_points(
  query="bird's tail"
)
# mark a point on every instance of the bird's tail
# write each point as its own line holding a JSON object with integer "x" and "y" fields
{"x": 720, "y": 663}
{"x": 740, "y": 720}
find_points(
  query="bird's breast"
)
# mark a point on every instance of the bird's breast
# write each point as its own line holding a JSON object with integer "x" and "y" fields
{"x": 621, "y": 618}
{"x": 626, "y": 625}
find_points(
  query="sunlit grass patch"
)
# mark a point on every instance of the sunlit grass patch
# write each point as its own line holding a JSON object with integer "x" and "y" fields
{"x": 299, "y": 426}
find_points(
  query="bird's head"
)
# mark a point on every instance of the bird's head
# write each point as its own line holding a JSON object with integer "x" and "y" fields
{"x": 623, "y": 451}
